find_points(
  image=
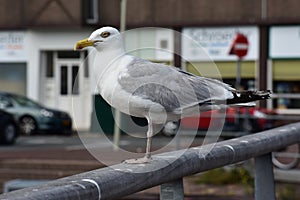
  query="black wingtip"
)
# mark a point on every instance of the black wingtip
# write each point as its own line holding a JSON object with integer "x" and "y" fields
{"x": 249, "y": 96}
{"x": 265, "y": 94}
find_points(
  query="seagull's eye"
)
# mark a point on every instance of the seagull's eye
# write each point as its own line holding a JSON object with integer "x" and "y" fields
{"x": 105, "y": 34}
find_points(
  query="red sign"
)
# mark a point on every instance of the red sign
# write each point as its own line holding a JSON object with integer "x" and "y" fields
{"x": 239, "y": 46}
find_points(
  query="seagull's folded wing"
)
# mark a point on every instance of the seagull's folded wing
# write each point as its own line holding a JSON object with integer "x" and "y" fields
{"x": 171, "y": 87}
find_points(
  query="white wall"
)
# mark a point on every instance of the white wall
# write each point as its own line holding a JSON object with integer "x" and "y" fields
{"x": 146, "y": 43}
{"x": 285, "y": 42}
{"x": 38, "y": 40}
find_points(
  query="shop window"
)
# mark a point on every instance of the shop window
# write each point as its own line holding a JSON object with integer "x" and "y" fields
{"x": 86, "y": 65}
{"x": 287, "y": 92}
{"x": 246, "y": 83}
{"x": 286, "y": 84}
{"x": 64, "y": 80}
{"x": 13, "y": 77}
{"x": 49, "y": 57}
{"x": 164, "y": 44}
{"x": 68, "y": 54}
{"x": 75, "y": 80}
{"x": 49, "y": 64}
{"x": 91, "y": 11}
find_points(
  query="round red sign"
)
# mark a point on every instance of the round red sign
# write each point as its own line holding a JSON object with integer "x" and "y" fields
{"x": 239, "y": 46}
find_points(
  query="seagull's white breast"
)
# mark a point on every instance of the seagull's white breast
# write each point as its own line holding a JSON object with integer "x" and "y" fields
{"x": 109, "y": 86}
{"x": 117, "y": 97}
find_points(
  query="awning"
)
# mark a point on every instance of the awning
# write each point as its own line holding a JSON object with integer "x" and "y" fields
{"x": 286, "y": 70}
{"x": 223, "y": 70}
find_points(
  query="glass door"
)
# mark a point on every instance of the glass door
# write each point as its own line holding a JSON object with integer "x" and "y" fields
{"x": 69, "y": 79}
{"x": 69, "y": 90}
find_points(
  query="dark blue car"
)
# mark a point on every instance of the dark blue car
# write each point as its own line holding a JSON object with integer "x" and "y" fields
{"x": 9, "y": 130}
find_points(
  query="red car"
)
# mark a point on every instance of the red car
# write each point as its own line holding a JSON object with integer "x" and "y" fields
{"x": 241, "y": 119}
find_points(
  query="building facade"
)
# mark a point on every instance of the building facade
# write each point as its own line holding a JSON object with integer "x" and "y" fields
{"x": 37, "y": 38}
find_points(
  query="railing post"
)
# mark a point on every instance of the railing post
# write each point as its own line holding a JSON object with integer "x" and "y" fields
{"x": 172, "y": 190}
{"x": 264, "y": 178}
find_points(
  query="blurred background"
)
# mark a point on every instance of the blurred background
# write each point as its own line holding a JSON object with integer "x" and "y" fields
{"x": 46, "y": 87}
{"x": 37, "y": 37}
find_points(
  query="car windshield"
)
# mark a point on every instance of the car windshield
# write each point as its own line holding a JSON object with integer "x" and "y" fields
{"x": 23, "y": 101}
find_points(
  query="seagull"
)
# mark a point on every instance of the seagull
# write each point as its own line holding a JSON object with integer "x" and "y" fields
{"x": 154, "y": 91}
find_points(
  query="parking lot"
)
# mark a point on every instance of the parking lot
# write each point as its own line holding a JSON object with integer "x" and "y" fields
{"x": 55, "y": 156}
{"x": 73, "y": 147}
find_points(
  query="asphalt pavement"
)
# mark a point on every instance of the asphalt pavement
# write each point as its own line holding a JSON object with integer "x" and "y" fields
{"x": 85, "y": 145}
{"x": 97, "y": 147}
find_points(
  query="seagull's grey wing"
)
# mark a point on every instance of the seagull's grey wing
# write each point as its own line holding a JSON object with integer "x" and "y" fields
{"x": 209, "y": 89}
{"x": 170, "y": 87}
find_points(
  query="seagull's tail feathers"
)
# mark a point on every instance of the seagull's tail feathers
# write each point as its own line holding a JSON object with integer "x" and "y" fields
{"x": 240, "y": 99}
{"x": 247, "y": 98}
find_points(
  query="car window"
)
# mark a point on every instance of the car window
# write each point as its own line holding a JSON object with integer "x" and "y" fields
{"x": 23, "y": 101}
{"x": 5, "y": 102}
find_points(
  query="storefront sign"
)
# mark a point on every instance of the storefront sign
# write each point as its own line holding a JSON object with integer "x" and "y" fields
{"x": 12, "y": 48}
{"x": 285, "y": 42}
{"x": 203, "y": 44}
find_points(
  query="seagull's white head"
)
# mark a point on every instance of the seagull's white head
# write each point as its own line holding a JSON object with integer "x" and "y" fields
{"x": 104, "y": 38}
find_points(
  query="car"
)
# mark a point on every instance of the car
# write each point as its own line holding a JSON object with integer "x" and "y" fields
{"x": 32, "y": 117}
{"x": 239, "y": 119}
{"x": 9, "y": 130}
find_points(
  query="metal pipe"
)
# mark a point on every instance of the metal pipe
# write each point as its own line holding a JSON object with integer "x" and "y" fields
{"x": 172, "y": 190}
{"x": 238, "y": 74}
{"x": 264, "y": 178}
{"x": 124, "y": 179}
{"x": 118, "y": 115}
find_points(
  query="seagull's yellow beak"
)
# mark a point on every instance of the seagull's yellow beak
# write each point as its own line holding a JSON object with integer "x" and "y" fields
{"x": 83, "y": 43}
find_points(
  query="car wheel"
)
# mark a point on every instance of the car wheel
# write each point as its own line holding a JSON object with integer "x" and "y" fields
{"x": 10, "y": 133}
{"x": 170, "y": 129}
{"x": 28, "y": 125}
{"x": 249, "y": 126}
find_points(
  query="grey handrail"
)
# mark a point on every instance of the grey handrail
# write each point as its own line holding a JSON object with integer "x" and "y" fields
{"x": 124, "y": 179}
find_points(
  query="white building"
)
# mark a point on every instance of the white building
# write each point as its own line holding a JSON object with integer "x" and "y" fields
{"x": 42, "y": 65}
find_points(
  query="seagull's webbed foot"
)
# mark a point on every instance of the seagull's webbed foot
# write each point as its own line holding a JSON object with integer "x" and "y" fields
{"x": 143, "y": 160}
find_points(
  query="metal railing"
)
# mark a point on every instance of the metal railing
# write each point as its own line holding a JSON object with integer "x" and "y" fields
{"x": 168, "y": 169}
